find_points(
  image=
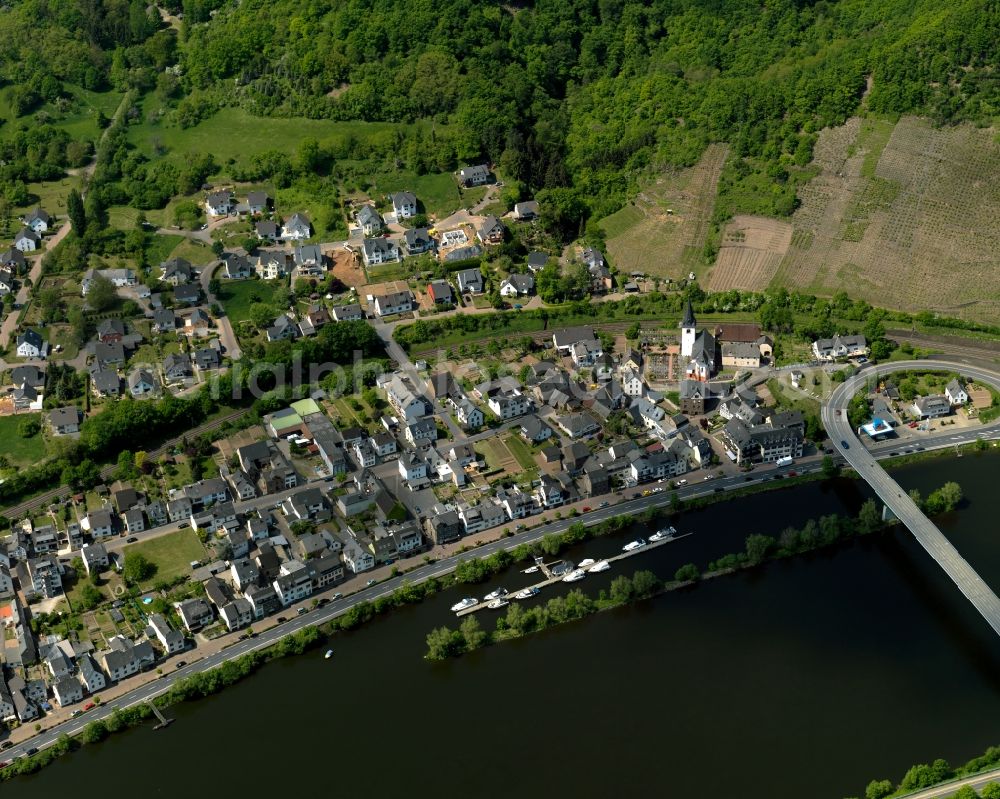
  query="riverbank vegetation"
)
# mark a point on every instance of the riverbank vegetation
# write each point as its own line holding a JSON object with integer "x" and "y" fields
{"x": 197, "y": 686}
{"x": 445, "y": 642}
{"x": 928, "y": 775}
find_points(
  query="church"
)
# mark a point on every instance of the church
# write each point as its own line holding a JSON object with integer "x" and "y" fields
{"x": 699, "y": 351}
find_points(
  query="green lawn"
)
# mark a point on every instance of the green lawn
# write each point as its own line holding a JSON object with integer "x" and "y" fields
{"x": 519, "y": 449}
{"x": 233, "y": 133}
{"x": 437, "y": 193}
{"x": 161, "y": 246}
{"x": 20, "y": 451}
{"x": 80, "y": 122}
{"x": 236, "y": 296}
{"x": 384, "y": 272}
{"x": 171, "y": 553}
{"x": 198, "y": 253}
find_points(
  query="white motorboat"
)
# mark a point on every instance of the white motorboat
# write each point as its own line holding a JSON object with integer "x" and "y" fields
{"x": 329, "y": 654}
{"x": 527, "y": 593}
{"x": 496, "y": 604}
{"x": 664, "y": 534}
{"x": 600, "y": 566}
{"x": 585, "y": 563}
{"x": 468, "y": 602}
{"x": 573, "y": 576}
{"x": 529, "y": 570}
{"x": 500, "y": 592}
{"x": 632, "y": 546}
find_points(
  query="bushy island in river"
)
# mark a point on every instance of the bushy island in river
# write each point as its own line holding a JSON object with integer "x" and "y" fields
{"x": 445, "y": 642}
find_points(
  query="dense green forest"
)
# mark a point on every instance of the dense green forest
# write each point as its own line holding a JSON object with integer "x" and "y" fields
{"x": 578, "y": 99}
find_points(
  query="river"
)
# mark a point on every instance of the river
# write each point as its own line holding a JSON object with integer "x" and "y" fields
{"x": 804, "y": 678}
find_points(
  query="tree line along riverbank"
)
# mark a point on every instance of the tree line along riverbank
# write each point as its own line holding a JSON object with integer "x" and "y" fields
{"x": 444, "y": 642}
{"x": 829, "y": 530}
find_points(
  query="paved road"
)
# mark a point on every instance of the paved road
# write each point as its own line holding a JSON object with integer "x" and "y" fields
{"x": 230, "y": 345}
{"x": 422, "y": 573}
{"x": 839, "y": 429}
{"x": 24, "y": 293}
{"x": 977, "y": 782}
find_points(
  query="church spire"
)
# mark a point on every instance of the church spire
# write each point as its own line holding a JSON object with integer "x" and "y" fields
{"x": 688, "y": 320}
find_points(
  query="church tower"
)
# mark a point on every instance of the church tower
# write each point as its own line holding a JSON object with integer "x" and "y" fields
{"x": 687, "y": 331}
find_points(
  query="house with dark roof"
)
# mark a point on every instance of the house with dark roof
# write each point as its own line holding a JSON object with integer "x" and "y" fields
{"x": 404, "y": 204}
{"x": 440, "y": 292}
{"x": 471, "y": 281}
{"x": 110, "y": 330}
{"x": 296, "y": 228}
{"x": 379, "y": 251}
{"x": 258, "y": 202}
{"x": 235, "y": 266}
{"x": 491, "y": 231}
{"x": 176, "y": 271}
{"x": 267, "y": 230}
{"x": 526, "y": 210}
{"x": 418, "y": 240}
{"x": 64, "y": 421}
{"x": 106, "y": 382}
{"x": 177, "y": 367}
{"x": 219, "y": 203}
{"x": 38, "y": 220}
{"x": 476, "y": 175}
{"x": 516, "y": 285}
{"x": 31, "y": 345}
{"x": 188, "y": 294}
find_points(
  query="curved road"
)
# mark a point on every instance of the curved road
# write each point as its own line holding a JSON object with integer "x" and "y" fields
{"x": 841, "y": 434}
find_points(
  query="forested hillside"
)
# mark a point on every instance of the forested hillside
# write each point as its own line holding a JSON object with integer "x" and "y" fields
{"x": 577, "y": 97}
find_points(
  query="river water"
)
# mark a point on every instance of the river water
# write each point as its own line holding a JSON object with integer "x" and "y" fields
{"x": 804, "y": 678}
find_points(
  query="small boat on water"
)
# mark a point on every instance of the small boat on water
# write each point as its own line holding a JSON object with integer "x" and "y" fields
{"x": 527, "y": 593}
{"x": 498, "y": 594}
{"x": 328, "y": 655}
{"x": 664, "y": 534}
{"x": 600, "y": 566}
{"x": 496, "y": 604}
{"x": 632, "y": 546}
{"x": 529, "y": 570}
{"x": 468, "y": 602}
{"x": 573, "y": 576}
{"x": 585, "y": 563}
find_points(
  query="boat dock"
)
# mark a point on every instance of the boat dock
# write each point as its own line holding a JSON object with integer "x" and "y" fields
{"x": 163, "y": 720}
{"x": 551, "y": 579}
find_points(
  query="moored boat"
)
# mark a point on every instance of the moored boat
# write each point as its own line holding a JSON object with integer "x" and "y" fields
{"x": 496, "y": 604}
{"x": 664, "y": 534}
{"x": 468, "y": 602}
{"x": 631, "y": 546}
{"x": 500, "y": 592}
{"x": 573, "y": 576}
{"x": 600, "y": 566}
{"x": 527, "y": 593}
{"x": 529, "y": 570}
{"x": 585, "y": 563}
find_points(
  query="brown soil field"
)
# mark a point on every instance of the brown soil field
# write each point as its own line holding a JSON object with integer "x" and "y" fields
{"x": 750, "y": 253}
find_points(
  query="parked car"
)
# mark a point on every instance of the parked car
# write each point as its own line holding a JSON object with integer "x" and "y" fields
{"x": 181, "y": 664}
{"x": 338, "y": 595}
{"x": 131, "y": 539}
{"x": 370, "y": 583}
{"x": 282, "y": 619}
{"x": 89, "y": 705}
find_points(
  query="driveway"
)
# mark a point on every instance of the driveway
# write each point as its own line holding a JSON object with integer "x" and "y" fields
{"x": 230, "y": 346}
{"x": 23, "y": 294}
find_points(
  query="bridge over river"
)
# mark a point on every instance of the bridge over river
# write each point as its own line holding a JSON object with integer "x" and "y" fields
{"x": 895, "y": 498}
